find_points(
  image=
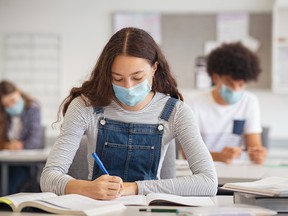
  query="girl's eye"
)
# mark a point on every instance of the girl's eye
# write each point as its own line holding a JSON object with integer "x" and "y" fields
{"x": 117, "y": 80}
{"x": 137, "y": 78}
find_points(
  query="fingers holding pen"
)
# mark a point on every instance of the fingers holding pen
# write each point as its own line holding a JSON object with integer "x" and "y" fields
{"x": 116, "y": 185}
{"x": 107, "y": 187}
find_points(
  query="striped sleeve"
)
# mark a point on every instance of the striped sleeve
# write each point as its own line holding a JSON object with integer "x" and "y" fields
{"x": 203, "y": 181}
{"x": 54, "y": 176}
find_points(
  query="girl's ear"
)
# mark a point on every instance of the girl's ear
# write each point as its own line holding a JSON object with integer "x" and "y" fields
{"x": 154, "y": 66}
{"x": 215, "y": 78}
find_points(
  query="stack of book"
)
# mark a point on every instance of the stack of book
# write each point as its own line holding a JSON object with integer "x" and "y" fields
{"x": 271, "y": 193}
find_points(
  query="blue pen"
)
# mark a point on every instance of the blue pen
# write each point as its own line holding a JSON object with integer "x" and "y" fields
{"x": 99, "y": 162}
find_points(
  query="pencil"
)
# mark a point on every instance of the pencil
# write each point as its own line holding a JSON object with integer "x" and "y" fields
{"x": 158, "y": 210}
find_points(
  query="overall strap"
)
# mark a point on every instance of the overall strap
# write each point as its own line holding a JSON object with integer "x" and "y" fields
{"x": 98, "y": 110}
{"x": 168, "y": 108}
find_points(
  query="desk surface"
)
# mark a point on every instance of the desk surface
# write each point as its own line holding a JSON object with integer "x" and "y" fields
{"x": 24, "y": 155}
{"x": 245, "y": 170}
{"x": 18, "y": 157}
{"x": 134, "y": 210}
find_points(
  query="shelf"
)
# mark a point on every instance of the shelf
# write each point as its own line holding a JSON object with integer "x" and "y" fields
{"x": 283, "y": 45}
{"x": 280, "y": 47}
{"x": 282, "y": 3}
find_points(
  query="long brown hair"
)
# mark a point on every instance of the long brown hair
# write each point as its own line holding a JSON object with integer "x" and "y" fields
{"x": 6, "y": 88}
{"x": 131, "y": 42}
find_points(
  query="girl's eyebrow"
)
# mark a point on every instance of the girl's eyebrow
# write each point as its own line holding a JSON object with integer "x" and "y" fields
{"x": 134, "y": 73}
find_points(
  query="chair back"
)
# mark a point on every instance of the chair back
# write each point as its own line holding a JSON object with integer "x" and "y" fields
{"x": 265, "y": 137}
{"x": 79, "y": 166}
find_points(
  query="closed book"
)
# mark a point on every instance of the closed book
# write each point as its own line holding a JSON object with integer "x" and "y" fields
{"x": 270, "y": 186}
{"x": 279, "y": 204}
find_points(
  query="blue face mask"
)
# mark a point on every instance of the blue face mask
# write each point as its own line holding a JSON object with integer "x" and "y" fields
{"x": 134, "y": 95}
{"x": 229, "y": 95}
{"x": 17, "y": 109}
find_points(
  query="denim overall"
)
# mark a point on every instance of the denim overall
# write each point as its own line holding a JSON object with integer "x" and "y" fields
{"x": 128, "y": 150}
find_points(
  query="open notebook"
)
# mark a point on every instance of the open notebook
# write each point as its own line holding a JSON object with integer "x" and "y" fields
{"x": 71, "y": 204}
{"x": 74, "y": 204}
{"x": 162, "y": 199}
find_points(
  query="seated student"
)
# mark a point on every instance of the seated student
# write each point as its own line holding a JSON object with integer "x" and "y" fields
{"x": 229, "y": 116}
{"x": 20, "y": 128}
{"x": 130, "y": 109}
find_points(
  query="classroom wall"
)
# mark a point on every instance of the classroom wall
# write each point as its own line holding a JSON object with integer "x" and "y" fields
{"x": 196, "y": 29}
{"x": 85, "y": 26}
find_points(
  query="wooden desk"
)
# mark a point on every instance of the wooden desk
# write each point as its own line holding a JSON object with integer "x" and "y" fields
{"x": 19, "y": 157}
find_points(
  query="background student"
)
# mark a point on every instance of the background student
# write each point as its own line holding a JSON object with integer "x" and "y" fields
{"x": 20, "y": 128}
{"x": 229, "y": 116}
{"x": 130, "y": 109}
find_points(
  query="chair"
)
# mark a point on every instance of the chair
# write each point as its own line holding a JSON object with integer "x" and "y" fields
{"x": 79, "y": 166}
{"x": 169, "y": 164}
{"x": 265, "y": 137}
{"x": 32, "y": 183}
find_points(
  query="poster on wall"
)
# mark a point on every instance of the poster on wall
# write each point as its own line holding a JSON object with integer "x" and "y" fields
{"x": 233, "y": 27}
{"x": 150, "y": 22}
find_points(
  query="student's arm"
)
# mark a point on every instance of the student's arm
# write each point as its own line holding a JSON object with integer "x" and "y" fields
{"x": 129, "y": 188}
{"x": 13, "y": 145}
{"x": 105, "y": 187}
{"x": 32, "y": 138}
{"x": 227, "y": 154}
{"x": 54, "y": 176}
{"x": 203, "y": 181}
{"x": 252, "y": 131}
{"x": 256, "y": 151}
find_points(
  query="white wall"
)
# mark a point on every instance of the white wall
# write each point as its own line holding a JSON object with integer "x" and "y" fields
{"x": 86, "y": 25}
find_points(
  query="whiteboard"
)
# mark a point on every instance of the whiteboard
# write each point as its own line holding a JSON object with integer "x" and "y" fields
{"x": 32, "y": 62}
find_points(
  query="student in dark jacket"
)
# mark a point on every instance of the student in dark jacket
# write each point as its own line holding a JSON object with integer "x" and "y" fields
{"x": 20, "y": 128}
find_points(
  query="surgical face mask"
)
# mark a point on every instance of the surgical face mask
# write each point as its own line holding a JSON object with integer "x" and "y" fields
{"x": 134, "y": 95}
{"x": 229, "y": 95}
{"x": 16, "y": 109}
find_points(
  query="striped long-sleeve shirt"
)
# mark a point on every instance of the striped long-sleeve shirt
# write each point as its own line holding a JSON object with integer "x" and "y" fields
{"x": 182, "y": 126}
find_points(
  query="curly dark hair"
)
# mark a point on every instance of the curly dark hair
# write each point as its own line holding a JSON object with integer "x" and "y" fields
{"x": 234, "y": 60}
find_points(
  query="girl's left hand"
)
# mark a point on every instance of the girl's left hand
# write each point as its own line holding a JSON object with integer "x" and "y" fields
{"x": 129, "y": 188}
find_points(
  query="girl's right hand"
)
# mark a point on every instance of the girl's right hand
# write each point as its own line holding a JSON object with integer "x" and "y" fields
{"x": 105, "y": 187}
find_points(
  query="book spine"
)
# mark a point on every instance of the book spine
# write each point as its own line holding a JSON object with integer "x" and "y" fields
{"x": 240, "y": 198}
{"x": 279, "y": 204}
